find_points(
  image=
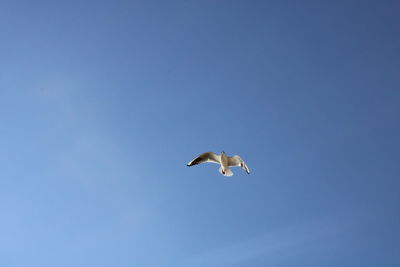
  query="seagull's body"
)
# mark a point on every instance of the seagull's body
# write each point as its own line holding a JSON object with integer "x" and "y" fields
{"x": 221, "y": 159}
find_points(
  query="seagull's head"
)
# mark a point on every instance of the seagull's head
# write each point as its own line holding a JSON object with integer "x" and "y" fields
{"x": 223, "y": 152}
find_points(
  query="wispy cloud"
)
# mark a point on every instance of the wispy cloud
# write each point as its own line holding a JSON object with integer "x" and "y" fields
{"x": 275, "y": 244}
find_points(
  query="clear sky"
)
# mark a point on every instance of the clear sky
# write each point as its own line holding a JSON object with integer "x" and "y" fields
{"x": 102, "y": 104}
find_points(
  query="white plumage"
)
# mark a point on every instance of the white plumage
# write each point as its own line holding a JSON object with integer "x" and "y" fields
{"x": 221, "y": 159}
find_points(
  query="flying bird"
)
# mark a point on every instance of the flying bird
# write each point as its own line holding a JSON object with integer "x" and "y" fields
{"x": 223, "y": 160}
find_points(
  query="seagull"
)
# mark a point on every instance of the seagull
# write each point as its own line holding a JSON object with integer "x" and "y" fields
{"x": 223, "y": 160}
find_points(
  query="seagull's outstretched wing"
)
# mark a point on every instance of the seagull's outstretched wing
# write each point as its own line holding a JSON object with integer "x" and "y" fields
{"x": 205, "y": 157}
{"x": 237, "y": 161}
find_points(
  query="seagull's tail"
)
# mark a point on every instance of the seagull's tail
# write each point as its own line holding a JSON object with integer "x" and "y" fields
{"x": 227, "y": 172}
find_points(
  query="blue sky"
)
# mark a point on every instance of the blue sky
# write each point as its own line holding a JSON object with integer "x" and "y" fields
{"x": 102, "y": 104}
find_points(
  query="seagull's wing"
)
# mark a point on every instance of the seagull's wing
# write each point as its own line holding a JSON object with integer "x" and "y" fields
{"x": 205, "y": 157}
{"x": 237, "y": 161}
